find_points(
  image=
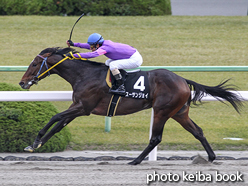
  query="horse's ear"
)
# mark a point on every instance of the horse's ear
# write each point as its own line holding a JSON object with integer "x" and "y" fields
{"x": 47, "y": 54}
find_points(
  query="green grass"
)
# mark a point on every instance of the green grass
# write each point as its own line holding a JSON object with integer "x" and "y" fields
{"x": 162, "y": 41}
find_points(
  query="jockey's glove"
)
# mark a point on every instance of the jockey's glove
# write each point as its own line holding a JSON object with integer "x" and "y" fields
{"x": 69, "y": 55}
{"x": 71, "y": 43}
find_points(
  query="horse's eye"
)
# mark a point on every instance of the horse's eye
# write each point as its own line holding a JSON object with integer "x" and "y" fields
{"x": 34, "y": 64}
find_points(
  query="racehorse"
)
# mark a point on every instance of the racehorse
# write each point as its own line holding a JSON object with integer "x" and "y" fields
{"x": 170, "y": 97}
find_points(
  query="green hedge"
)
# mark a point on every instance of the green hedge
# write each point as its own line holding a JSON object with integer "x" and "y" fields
{"x": 93, "y": 7}
{"x": 20, "y": 123}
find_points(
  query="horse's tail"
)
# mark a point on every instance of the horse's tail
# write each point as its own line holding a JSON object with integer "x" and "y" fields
{"x": 220, "y": 92}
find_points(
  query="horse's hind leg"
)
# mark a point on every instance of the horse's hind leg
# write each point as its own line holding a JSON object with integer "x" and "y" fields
{"x": 183, "y": 118}
{"x": 156, "y": 138}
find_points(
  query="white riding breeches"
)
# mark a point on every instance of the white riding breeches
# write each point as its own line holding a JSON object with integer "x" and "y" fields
{"x": 133, "y": 62}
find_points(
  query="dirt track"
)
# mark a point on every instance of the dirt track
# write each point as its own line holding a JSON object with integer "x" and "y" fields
{"x": 119, "y": 173}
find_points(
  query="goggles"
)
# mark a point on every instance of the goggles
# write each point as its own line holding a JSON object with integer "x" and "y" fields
{"x": 92, "y": 46}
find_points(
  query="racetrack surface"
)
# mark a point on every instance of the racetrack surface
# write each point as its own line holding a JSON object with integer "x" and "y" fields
{"x": 118, "y": 172}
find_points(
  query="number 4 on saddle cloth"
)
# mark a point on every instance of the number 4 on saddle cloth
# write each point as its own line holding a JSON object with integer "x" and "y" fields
{"x": 136, "y": 84}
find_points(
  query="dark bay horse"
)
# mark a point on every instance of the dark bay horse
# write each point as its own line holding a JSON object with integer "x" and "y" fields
{"x": 170, "y": 97}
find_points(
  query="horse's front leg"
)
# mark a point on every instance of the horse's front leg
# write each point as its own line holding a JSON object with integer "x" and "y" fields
{"x": 37, "y": 143}
{"x": 42, "y": 132}
{"x": 63, "y": 119}
{"x": 58, "y": 127}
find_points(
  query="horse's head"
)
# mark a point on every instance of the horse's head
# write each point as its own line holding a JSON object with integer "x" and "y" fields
{"x": 40, "y": 64}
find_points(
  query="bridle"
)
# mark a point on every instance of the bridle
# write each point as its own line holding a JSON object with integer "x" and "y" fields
{"x": 36, "y": 78}
{"x": 43, "y": 62}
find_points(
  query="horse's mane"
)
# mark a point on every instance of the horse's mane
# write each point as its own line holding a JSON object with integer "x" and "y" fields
{"x": 58, "y": 50}
{"x": 62, "y": 51}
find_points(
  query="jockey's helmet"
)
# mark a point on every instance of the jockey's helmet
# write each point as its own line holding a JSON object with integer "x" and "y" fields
{"x": 95, "y": 39}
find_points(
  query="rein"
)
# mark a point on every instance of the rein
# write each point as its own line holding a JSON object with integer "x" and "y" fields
{"x": 48, "y": 69}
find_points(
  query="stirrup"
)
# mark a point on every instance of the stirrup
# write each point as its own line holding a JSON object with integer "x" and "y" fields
{"x": 120, "y": 90}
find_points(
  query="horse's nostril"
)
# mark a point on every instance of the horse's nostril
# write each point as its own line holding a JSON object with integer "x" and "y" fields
{"x": 21, "y": 83}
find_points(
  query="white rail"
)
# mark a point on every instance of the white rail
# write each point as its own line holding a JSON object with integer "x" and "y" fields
{"x": 67, "y": 96}
{"x": 35, "y": 95}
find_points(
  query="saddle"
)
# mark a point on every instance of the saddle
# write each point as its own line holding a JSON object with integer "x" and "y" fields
{"x": 136, "y": 84}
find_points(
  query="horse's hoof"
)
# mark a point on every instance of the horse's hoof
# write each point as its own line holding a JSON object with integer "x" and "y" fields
{"x": 29, "y": 149}
{"x": 133, "y": 163}
{"x": 37, "y": 145}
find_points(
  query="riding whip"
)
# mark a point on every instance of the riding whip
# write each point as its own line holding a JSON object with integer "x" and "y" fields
{"x": 75, "y": 24}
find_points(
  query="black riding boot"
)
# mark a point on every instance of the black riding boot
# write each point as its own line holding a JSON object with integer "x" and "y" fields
{"x": 119, "y": 88}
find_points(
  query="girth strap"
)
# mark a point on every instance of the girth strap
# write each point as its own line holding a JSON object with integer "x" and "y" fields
{"x": 114, "y": 101}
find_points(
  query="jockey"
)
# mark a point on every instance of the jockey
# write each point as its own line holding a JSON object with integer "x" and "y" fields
{"x": 121, "y": 56}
